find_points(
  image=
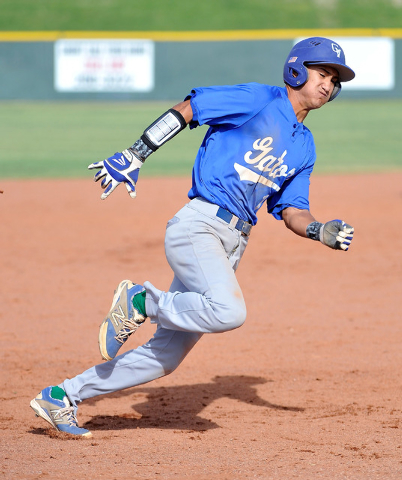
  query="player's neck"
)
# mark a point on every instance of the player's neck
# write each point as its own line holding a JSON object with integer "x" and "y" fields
{"x": 300, "y": 110}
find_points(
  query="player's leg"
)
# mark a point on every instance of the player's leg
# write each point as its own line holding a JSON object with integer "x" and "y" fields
{"x": 160, "y": 356}
{"x": 156, "y": 358}
{"x": 203, "y": 251}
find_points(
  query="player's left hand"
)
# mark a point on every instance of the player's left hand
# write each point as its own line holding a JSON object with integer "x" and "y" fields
{"x": 336, "y": 234}
{"x": 119, "y": 168}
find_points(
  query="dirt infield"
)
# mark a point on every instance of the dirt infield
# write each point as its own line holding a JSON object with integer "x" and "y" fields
{"x": 308, "y": 388}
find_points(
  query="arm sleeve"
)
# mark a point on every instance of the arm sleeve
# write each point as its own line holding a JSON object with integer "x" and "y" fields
{"x": 232, "y": 105}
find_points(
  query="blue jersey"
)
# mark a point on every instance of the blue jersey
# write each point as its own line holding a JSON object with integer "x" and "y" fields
{"x": 255, "y": 150}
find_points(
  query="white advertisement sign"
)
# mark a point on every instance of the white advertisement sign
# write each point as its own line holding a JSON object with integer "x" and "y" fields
{"x": 373, "y": 61}
{"x": 104, "y": 65}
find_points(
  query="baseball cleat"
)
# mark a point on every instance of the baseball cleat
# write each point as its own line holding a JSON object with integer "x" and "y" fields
{"x": 122, "y": 320}
{"x": 58, "y": 411}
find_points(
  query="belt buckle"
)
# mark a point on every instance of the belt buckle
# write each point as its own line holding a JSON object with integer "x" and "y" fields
{"x": 234, "y": 222}
{"x": 246, "y": 229}
{"x": 243, "y": 227}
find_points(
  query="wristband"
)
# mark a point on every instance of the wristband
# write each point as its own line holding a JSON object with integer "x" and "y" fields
{"x": 140, "y": 150}
{"x": 313, "y": 230}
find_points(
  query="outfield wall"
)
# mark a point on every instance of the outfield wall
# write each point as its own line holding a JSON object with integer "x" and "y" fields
{"x": 148, "y": 66}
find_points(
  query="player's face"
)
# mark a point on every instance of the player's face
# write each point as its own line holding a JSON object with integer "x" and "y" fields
{"x": 320, "y": 84}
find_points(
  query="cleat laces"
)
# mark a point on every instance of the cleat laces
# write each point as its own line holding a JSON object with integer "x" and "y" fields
{"x": 68, "y": 414}
{"x": 129, "y": 326}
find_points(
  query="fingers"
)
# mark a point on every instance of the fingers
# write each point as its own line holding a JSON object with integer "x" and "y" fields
{"x": 131, "y": 190}
{"x": 112, "y": 185}
{"x": 101, "y": 173}
{"x": 345, "y": 236}
{"x": 115, "y": 170}
{"x": 344, "y": 246}
{"x": 95, "y": 165}
{"x": 345, "y": 226}
{"x": 109, "y": 189}
{"x": 337, "y": 234}
{"x": 103, "y": 182}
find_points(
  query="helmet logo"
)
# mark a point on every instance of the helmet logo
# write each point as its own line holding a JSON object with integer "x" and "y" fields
{"x": 292, "y": 59}
{"x": 337, "y": 49}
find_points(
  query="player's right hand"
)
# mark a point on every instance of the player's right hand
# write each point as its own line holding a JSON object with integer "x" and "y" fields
{"x": 119, "y": 168}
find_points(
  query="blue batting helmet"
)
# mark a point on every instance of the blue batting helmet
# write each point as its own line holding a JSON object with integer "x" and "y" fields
{"x": 316, "y": 51}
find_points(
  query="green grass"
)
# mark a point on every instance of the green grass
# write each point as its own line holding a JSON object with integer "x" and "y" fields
{"x": 357, "y": 135}
{"x": 60, "y": 139}
{"x": 47, "y": 139}
{"x": 206, "y": 15}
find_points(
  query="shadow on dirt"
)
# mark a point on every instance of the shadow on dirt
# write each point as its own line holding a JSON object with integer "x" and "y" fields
{"x": 179, "y": 407}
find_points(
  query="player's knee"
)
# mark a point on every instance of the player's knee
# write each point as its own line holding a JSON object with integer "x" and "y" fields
{"x": 238, "y": 316}
{"x": 181, "y": 344}
{"x": 170, "y": 367}
{"x": 170, "y": 364}
{"x": 231, "y": 316}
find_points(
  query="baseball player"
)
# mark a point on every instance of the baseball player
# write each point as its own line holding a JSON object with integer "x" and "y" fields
{"x": 256, "y": 151}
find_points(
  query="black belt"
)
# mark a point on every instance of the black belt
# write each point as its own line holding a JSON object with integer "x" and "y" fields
{"x": 241, "y": 225}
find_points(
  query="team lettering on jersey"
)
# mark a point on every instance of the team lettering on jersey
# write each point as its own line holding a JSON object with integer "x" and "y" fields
{"x": 264, "y": 163}
{"x": 268, "y": 163}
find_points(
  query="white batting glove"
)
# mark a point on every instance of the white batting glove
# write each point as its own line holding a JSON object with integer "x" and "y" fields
{"x": 119, "y": 168}
{"x": 336, "y": 234}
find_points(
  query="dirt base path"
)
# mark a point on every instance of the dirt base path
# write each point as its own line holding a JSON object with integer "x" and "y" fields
{"x": 308, "y": 388}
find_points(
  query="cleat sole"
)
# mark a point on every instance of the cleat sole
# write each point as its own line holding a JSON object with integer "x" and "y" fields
{"x": 104, "y": 325}
{"x": 102, "y": 342}
{"x": 41, "y": 413}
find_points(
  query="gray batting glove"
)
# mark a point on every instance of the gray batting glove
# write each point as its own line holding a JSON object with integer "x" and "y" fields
{"x": 336, "y": 234}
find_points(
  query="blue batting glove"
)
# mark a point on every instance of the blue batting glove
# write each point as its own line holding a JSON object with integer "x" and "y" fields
{"x": 119, "y": 168}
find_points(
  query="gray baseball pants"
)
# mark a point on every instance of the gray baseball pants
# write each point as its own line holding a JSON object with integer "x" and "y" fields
{"x": 204, "y": 252}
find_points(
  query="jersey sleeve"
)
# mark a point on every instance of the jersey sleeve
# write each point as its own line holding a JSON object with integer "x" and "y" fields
{"x": 294, "y": 192}
{"x": 232, "y": 105}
